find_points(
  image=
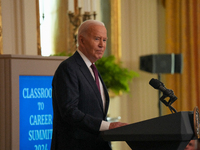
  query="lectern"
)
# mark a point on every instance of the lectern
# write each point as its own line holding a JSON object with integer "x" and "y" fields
{"x": 170, "y": 132}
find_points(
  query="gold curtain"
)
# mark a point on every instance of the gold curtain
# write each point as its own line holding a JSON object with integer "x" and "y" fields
{"x": 62, "y": 30}
{"x": 1, "y": 37}
{"x": 38, "y": 27}
{"x": 183, "y": 36}
{"x": 116, "y": 29}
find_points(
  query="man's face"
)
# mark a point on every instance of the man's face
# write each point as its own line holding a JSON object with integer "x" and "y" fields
{"x": 94, "y": 42}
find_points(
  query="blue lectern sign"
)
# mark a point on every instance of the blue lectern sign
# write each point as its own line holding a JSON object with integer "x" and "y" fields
{"x": 36, "y": 112}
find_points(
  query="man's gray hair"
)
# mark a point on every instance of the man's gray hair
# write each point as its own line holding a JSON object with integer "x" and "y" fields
{"x": 85, "y": 26}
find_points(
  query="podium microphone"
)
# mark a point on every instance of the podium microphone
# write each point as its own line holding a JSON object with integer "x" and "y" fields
{"x": 160, "y": 86}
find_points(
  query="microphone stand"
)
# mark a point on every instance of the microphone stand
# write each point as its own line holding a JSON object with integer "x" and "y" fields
{"x": 168, "y": 104}
{"x": 161, "y": 99}
{"x": 159, "y": 95}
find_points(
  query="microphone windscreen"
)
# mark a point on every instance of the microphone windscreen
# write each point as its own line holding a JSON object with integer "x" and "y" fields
{"x": 155, "y": 83}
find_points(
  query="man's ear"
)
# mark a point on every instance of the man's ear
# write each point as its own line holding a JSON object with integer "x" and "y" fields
{"x": 81, "y": 40}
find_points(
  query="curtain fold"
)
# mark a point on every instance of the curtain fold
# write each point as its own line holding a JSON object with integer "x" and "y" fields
{"x": 182, "y": 36}
{"x": 62, "y": 29}
{"x": 1, "y": 38}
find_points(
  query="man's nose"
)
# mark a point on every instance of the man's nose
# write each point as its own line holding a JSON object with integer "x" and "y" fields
{"x": 101, "y": 43}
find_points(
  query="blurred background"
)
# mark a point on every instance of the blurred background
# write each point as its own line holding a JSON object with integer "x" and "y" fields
{"x": 135, "y": 28}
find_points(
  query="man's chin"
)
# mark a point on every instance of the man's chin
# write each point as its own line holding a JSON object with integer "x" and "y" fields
{"x": 99, "y": 56}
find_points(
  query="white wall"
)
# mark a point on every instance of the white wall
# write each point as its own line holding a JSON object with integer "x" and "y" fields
{"x": 19, "y": 27}
{"x": 140, "y": 36}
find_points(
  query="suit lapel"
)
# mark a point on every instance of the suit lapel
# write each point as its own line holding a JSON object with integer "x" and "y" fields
{"x": 86, "y": 72}
{"x": 107, "y": 99}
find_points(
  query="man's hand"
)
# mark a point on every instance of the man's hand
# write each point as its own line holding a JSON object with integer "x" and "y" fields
{"x": 116, "y": 125}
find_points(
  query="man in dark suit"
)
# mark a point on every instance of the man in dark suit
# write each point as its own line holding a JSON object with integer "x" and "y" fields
{"x": 80, "y": 104}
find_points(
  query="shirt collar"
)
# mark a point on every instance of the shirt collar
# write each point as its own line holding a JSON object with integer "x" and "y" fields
{"x": 85, "y": 59}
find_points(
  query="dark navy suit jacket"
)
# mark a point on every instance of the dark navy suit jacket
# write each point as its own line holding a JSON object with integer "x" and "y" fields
{"x": 77, "y": 108}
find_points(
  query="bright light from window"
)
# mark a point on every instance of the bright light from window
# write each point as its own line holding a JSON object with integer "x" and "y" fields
{"x": 45, "y": 27}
